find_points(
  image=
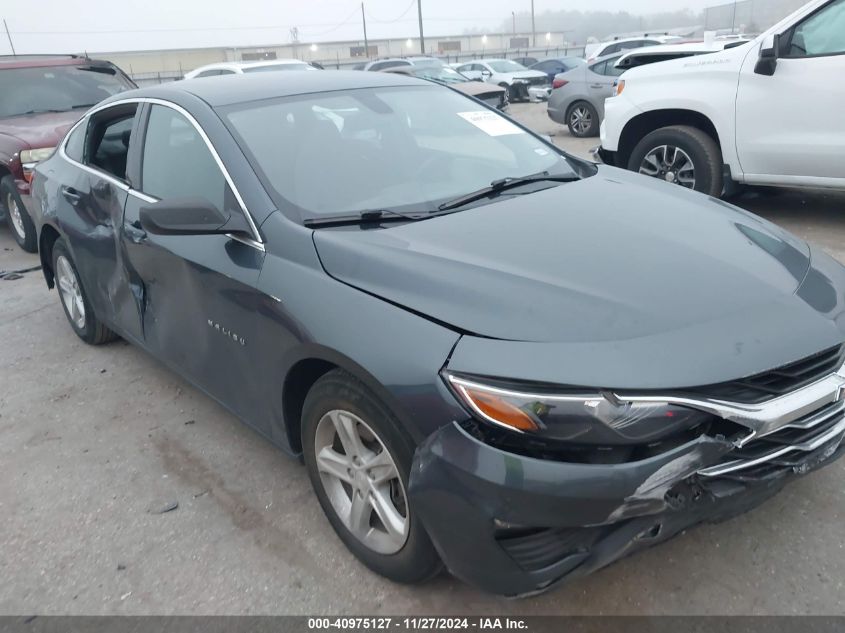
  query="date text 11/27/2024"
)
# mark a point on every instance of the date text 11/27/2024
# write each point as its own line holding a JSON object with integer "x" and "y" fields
{"x": 416, "y": 623}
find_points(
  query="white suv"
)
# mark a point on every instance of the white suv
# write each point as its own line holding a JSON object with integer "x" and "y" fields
{"x": 768, "y": 112}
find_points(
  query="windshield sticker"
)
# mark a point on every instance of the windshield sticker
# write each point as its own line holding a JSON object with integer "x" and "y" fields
{"x": 491, "y": 123}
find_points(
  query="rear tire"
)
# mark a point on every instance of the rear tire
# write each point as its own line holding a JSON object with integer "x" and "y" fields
{"x": 74, "y": 300}
{"x": 582, "y": 120}
{"x": 339, "y": 411}
{"x": 17, "y": 217}
{"x": 697, "y": 165}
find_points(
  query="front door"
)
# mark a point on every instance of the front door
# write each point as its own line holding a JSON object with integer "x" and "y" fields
{"x": 789, "y": 125}
{"x": 198, "y": 292}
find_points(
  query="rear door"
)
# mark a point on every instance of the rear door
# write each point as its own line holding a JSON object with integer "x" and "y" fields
{"x": 601, "y": 78}
{"x": 91, "y": 201}
{"x": 199, "y": 302}
{"x": 789, "y": 127}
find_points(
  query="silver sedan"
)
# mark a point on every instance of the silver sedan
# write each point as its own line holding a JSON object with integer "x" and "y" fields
{"x": 578, "y": 95}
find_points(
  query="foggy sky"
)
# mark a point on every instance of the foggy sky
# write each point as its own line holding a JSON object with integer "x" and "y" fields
{"x": 53, "y": 26}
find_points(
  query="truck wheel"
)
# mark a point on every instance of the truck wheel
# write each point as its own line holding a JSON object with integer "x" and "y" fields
{"x": 21, "y": 225}
{"x": 359, "y": 459}
{"x": 682, "y": 155}
{"x": 582, "y": 120}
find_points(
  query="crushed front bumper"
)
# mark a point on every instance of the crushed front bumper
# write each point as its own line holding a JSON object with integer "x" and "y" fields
{"x": 516, "y": 525}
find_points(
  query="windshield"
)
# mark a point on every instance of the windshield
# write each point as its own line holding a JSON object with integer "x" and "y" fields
{"x": 505, "y": 66}
{"x": 57, "y": 88}
{"x": 443, "y": 74}
{"x": 400, "y": 148}
{"x": 272, "y": 67}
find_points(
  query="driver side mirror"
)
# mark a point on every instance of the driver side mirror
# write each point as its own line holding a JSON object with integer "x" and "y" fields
{"x": 767, "y": 61}
{"x": 189, "y": 216}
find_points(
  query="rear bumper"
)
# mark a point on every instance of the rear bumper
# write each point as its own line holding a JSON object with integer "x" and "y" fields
{"x": 516, "y": 525}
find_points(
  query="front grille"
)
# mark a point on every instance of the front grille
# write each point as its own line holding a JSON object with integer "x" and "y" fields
{"x": 796, "y": 447}
{"x": 778, "y": 381}
{"x": 538, "y": 81}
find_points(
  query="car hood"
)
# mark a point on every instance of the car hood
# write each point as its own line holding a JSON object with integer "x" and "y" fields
{"x": 475, "y": 88}
{"x": 40, "y": 130}
{"x": 526, "y": 74}
{"x": 608, "y": 261}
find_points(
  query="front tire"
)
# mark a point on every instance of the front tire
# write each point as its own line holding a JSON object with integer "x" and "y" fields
{"x": 359, "y": 459}
{"x": 582, "y": 120}
{"x": 17, "y": 217}
{"x": 682, "y": 155}
{"x": 75, "y": 302}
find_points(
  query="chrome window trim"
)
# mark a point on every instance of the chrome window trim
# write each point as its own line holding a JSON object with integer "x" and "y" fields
{"x": 256, "y": 241}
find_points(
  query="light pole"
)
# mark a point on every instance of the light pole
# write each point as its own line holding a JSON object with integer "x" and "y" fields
{"x": 533, "y": 27}
{"x": 366, "y": 43}
{"x": 419, "y": 14}
{"x": 9, "y": 35}
{"x": 513, "y": 17}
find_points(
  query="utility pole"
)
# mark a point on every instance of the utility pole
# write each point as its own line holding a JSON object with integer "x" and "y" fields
{"x": 533, "y": 28}
{"x": 733, "y": 20}
{"x": 419, "y": 14}
{"x": 9, "y": 35}
{"x": 366, "y": 42}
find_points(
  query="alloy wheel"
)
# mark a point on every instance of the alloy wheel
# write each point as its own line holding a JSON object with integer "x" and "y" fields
{"x": 671, "y": 164}
{"x": 361, "y": 481}
{"x": 70, "y": 291}
{"x": 14, "y": 212}
{"x": 580, "y": 119}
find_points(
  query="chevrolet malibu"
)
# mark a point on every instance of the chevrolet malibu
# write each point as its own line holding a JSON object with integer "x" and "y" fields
{"x": 491, "y": 356}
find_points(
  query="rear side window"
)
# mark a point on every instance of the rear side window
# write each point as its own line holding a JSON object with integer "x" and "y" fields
{"x": 177, "y": 163}
{"x": 108, "y": 138}
{"x": 75, "y": 144}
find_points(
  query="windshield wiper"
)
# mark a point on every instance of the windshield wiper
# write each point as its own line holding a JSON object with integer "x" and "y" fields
{"x": 364, "y": 217}
{"x": 503, "y": 184}
{"x": 51, "y": 110}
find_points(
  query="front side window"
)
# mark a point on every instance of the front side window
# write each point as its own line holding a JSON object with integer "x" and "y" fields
{"x": 407, "y": 148}
{"x": 178, "y": 164}
{"x": 823, "y": 33}
{"x": 57, "y": 88}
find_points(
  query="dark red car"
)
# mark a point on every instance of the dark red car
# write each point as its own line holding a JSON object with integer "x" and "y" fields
{"x": 41, "y": 97}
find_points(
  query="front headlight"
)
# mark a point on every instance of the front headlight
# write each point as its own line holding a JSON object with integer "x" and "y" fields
{"x": 36, "y": 155}
{"x": 620, "y": 86}
{"x": 594, "y": 418}
{"x": 519, "y": 81}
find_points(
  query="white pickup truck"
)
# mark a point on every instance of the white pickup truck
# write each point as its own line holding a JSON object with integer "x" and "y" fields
{"x": 769, "y": 112}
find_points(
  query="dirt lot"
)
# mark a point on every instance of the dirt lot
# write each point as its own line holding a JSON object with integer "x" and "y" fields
{"x": 93, "y": 441}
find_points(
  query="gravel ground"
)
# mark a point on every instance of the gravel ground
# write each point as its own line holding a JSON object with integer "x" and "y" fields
{"x": 95, "y": 441}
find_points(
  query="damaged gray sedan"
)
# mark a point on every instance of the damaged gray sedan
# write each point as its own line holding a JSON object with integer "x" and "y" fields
{"x": 492, "y": 356}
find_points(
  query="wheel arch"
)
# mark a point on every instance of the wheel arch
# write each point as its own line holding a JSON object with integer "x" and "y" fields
{"x": 643, "y": 124}
{"x": 46, "y": 241}
{"x": 305, "y": 367}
